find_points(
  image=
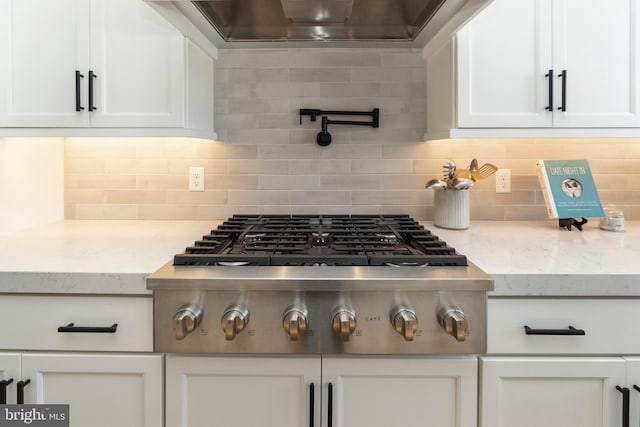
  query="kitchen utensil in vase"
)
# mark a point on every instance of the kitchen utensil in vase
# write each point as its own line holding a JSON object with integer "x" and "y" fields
{"x": 484, "y": 171}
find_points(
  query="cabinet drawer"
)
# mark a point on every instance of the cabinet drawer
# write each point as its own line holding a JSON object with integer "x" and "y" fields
{"x": 609, "y": 326}
{"x": 31, "y": 322}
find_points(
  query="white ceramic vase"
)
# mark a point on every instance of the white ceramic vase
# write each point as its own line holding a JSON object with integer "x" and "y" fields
{"x": 451, "y": 209}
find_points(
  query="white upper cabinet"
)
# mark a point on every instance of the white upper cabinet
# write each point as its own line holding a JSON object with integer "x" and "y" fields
{"x": 97, "y": 64}
{"x": 597, "y": 44}
{"x": 139, "y": 62}
{"x": 539, "y": 64}
{"x": 503, "y": 56}
{"x": 42, "y": 44}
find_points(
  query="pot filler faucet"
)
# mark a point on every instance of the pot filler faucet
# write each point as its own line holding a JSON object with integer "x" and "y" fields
{"x": 324, "y": 137}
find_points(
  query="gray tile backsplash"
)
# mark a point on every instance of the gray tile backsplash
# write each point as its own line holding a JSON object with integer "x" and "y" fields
{"x": 266, "y": 161}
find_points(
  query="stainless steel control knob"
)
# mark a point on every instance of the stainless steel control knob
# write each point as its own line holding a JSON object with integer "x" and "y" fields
{"x": 186, "y": 320}
{"x": 294, "y": 321}
{"x": 404, "y": 321}
{"x": 234, "y": 319}
{"x": 454, "y": 322}
{"x": 344, "y": 322}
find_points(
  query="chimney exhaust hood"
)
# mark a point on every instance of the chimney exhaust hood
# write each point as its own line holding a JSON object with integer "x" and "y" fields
{"x": 305, "y": 23}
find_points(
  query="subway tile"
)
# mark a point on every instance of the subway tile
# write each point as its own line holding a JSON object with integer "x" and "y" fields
{"x": 385, "y": 136}
{"x": 100, "y": 181}
{"x": 86, "y": 196}
{"x": 172, "y": 212}
{"x": 276, "y": 121}
{"x": 161, "y": 182}
{"x": 258, "y": 197}
{"x": 257, "y": 106}
{"x": 319, "y": 198}
{"x": 351, "y": 58}
{"x": 196, "y": 198}
{"x": 232, "y": 182}
{"x": 390, "y": 197}
{"x": 211, "y": 166}
{"x": 83, "y": 166}
{"x": 381, "y": 167}
{"x": 381, "y": 74}
{"x": 260, "y": 137}
{"x": 349, "y": 90}
{"x": 403, "y": 58}
{"x": 320, "y": 74}
{"x": 272, "y": 75}
{"x": 289, "y": 182}
{"x": 319, "y": 167}
{"x": 258, "y": 167}
{"x": 350, "y": 182}
{"x": 403, "y": 182}
{"x": 139, "y": 197}
{"x": 237, "y": 121}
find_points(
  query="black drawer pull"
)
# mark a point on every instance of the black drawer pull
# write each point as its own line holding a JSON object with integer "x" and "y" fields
{"x": 549, "y": 75}
{"x": 3, "y": 390}
{"x": 330, "y": 405}
{"x": 311, "y": 403}
{"x": 89, "y": 329}
{"x": 625, "y": 405}
{"x": 563, "y": 106}
{"x": 20, "y": 392}
{"x": 569, "y": 331}
{"x": 79, "y": 76}
{"x": 92, "y": 76}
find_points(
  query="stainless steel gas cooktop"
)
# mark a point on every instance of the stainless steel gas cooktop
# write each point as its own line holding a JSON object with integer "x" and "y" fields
{"x": 378, "y": 284}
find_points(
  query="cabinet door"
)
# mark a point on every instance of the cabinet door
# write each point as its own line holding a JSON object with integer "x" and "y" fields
{"x": 138, "y": 58}
{"x": 503, "y": 56}
{"x": 597, "y": 43}
{"x": 10, "y": 370}
{"x": 407, "y": 392}
{"x": 551, "y": 392}
{"x": 101, "y": 390}
{"x": 42, "y": 44}
{"x": 242, "y": 391}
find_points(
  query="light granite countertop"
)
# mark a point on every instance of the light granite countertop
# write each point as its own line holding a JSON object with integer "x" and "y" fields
{"x": 112, "y": 257}
{"x": 524, "y": 258}
{"x": 538, "y": 258}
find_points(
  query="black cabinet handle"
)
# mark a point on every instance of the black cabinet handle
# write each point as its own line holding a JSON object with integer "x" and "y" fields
{"x": 569, "y": 331}
{"x": 89, "y": 329}
{"x": 92, "y": 76}
{"x": 20, "y": 394}
{"x": 563, "y": 105}
{"x": 312, "y": 388}
{"x": 549, "y": 75}
{"x": 636, "y": 388}
{"x": 79, "y": 76}
{"x": 625, "y": 405}
{"x": 3, "y": 390}
{"x": 330, "y": 406}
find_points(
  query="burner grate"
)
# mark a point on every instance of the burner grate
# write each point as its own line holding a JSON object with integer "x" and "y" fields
{"x": 335, "y": 240}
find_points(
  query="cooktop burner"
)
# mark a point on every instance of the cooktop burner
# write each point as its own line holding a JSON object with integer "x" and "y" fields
{"x": 333, "y": 240}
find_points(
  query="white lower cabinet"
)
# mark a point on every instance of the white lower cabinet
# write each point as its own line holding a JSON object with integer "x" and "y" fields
{"x": 102, "y": 390}
{"x": 557, "y": 362}
{"x": 93, "y": 353}
{"x": 294, "y": 392}
{"x": 551, "y": 391}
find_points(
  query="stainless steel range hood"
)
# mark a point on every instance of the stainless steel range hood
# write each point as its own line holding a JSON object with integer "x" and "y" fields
{"x": 251, "y": 23}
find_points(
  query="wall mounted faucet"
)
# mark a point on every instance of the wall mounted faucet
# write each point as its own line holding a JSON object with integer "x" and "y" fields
{"x": 324, "y": 137}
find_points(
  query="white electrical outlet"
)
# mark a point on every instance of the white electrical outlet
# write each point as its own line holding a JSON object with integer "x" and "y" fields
{"x": 196, "y": 179}
{"x": 503, "y": 181}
